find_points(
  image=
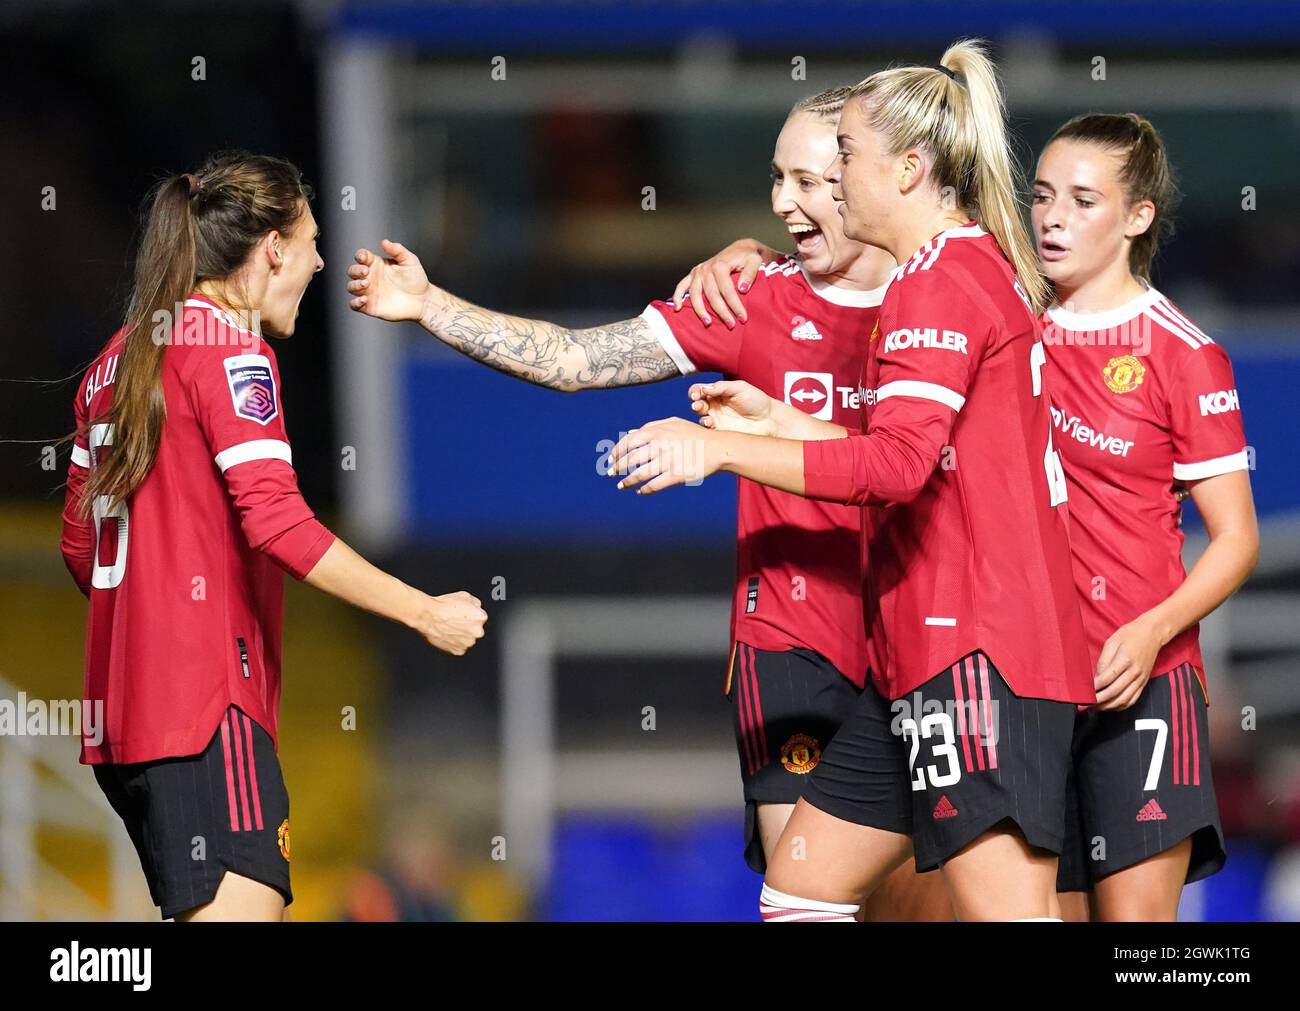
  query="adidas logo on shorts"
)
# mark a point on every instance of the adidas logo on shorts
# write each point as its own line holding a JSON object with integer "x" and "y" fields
{"x": 944, "y": 808}
{"x": 1151, "y": 812}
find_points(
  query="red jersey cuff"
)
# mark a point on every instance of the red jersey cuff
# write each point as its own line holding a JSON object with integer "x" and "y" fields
{"x": 828, "y": 470}
{"x": 298, "y": 549}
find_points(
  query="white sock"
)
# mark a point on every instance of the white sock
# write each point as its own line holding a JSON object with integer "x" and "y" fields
{"x": 777, "y": 907}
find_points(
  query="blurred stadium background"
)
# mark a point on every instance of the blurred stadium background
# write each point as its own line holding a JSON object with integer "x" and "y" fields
{"x": 522, "y": 781}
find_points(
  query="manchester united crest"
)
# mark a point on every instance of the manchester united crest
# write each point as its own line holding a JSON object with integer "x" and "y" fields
{"x": 282, "y": 837}
{"x": 800, "y": 754}
{"x": 1124, "y": 374}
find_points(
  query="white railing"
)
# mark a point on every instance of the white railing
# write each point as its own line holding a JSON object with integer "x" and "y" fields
{"x": 537, "y": 777}
{"x": 42, "y": 785}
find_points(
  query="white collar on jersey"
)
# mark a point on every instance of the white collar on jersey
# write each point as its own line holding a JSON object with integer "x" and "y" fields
{"x": 961, "y": 232}
{"x": 1084, "y": 321}
{"x": 934, "y": 244}
{"x": 200, "y": 301}
{"x": 854, "y": 298}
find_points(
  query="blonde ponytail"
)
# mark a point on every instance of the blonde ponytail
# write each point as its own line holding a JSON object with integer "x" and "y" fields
{"x": 958, "y": 115}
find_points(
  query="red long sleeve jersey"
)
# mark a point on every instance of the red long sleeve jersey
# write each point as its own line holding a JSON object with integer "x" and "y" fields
{"x": 1141, "y": 396}
{"x": 798, "y": 562}
{"x": 969, "y": 549}
{"x": 185, "y": 577}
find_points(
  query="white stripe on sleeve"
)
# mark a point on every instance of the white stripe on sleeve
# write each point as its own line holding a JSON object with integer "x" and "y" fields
{"x": 1212, "y": 468}
{"x": 258, "y": 449}
{"x": 668, "y": 340}
{"x": 1192, "y": 342}
{"x": 925, "y": 391}
{"x": 80, "y": 456}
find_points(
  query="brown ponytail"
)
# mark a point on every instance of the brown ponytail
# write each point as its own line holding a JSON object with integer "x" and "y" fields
{"x": 1145, "y": 174}
{"x": 956, "y": 112}
{"x": 197, "y": 227}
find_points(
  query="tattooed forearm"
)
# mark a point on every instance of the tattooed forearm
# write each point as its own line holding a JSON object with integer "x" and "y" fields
{"x": 617, "y": 354}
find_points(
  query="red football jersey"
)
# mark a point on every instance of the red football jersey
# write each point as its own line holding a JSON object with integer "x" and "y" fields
{"x": 969, "y": 548}
{"x": 798, "y": 561}
{"x": 1140, "y": 397}
{"x": 185, "y": 578}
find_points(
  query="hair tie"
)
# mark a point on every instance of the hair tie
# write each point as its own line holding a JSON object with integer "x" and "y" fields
{"x": 945, "y": 70}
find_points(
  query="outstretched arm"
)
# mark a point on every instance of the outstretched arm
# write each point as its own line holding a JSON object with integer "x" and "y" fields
{"x": 546, "y": 354}
{"x": 887, "y": 466}
{"x": 733, "y": 405}
{"x": 395, "y": 287}
{"x": 452, "y": 622}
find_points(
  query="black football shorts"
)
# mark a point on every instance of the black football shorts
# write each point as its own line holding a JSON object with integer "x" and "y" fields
{"x": 1141, "y": 784}
{"x": 786, "y": 705}
{"x": 193, "y": 819}
{"x": 949, "y": 761}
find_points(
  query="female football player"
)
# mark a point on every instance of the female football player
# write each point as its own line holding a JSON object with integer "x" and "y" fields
{"x": 976, "y": 628}
{"x": 799, "y": 654}
{"x": 182, "y": 514}
{"x": 1140, "y": 396}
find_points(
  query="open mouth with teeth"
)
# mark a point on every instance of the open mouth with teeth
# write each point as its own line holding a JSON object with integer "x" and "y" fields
{"x": 807, "y": 238}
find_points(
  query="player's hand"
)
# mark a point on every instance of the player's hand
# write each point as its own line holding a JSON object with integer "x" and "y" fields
{"x": 663, "y": 453}
{"x": 1124, "y": 667}
{"x": 733, "y": 405}
{"x": 392, "y": 286}
{"x": 452, "y": 622}
{"x": 710, "y": 283}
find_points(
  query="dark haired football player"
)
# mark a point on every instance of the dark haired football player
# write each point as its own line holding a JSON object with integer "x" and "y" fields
{"x": 1140, "y": 395}
{"x": 181, "y": 517}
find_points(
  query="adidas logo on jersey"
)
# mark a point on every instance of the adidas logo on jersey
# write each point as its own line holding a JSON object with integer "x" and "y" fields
{"x": 1151, "y": 812}
{"x": 806, "y": 331}
{"x": 944, "y": 808}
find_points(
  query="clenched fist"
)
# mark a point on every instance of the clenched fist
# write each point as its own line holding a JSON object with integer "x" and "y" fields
{"x": 452, "y": 622}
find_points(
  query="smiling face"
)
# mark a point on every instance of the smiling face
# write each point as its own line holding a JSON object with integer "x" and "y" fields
{"x": 1082, "y": 219}
{"x": 293, "y": 261}
{"x": 801, "y": 196}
